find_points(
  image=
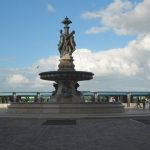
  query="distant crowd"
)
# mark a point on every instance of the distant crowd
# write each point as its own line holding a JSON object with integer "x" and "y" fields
{"x": 143, "y": 103}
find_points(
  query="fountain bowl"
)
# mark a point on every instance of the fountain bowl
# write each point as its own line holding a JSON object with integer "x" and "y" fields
{"x": 66, "y": 75}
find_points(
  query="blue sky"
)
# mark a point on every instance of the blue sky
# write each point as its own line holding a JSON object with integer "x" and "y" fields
{"x": 29, "y": 32}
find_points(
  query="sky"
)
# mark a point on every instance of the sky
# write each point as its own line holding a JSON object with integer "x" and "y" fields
{"x": 112, "y": 41}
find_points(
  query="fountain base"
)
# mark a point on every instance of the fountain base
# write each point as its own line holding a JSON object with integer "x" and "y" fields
{"x": 66, "y": 108}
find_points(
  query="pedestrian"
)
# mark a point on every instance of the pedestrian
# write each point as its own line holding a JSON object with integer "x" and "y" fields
{"x": 148, "y": 101}
{"x": 138, "y": 103}
{"x": 114, "y": 100}
{"x": 143, "y": 102}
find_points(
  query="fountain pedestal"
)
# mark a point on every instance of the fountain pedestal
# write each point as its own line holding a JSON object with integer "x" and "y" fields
{"x": 66, "y": 79}
{"x": 66, "y": 93}
{"x": 66, "y": 86}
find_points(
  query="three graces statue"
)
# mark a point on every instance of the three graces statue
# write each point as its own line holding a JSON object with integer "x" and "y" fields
{"x": 66, "y": 43}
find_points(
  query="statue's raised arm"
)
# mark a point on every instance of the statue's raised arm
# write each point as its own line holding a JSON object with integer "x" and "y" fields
{"x": 66, "y": 43}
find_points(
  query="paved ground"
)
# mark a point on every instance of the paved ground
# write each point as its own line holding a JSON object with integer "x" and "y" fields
{"x": 98, "y": 133}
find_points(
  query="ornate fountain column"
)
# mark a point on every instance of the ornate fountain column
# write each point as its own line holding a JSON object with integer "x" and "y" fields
{"x": 66, "y": 90}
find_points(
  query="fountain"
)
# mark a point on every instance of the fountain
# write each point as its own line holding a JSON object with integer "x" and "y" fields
{"x": 66, "y": 99}
{"x": 66, "y": 77}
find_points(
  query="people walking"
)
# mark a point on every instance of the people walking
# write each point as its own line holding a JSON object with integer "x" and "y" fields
{"x": 144, "y": 103}
{"x": 138, "y": 105}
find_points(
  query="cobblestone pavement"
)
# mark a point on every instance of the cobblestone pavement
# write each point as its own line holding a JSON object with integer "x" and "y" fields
{"x": 86, "y": 134}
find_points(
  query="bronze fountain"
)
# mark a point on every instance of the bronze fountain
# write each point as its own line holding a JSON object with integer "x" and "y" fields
{"x": 66, "y": 99}
{"x": 66, "y": 77}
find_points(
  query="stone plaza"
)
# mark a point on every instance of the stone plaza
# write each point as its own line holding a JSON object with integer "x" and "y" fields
{"x": 130, "y": 130}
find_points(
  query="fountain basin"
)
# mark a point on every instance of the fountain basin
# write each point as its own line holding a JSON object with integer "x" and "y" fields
{"x": 66, "y": 75}
{"x": 66, "y": 108}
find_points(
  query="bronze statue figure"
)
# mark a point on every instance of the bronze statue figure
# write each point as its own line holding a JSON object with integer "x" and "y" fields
{"x": 66, "y": 43}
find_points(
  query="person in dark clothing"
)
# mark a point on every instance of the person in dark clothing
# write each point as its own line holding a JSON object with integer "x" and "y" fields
{"x": 143, "y": 102}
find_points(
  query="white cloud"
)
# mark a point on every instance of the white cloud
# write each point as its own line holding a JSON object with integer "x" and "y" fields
{"x": 50, "y": 8}
{"x": 28, "y": 79}
{"x": 96, "y": 30}
{"x": 38, "y": 83}
{"x": 111, "y": 62}
{"x": 125, "y": 68}
{"x": 51, "y": 63}
{"x": 17, "y": 79}
{"x": 124, "y": 17}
